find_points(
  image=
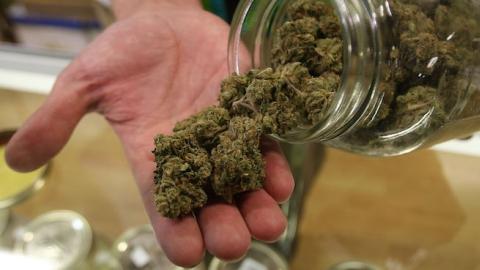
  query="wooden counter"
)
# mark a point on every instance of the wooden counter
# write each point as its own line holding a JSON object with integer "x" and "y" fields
{"x": 420, "y": 211}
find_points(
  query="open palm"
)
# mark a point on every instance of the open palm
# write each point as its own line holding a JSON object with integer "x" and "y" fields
{"x": 143, "y": 74}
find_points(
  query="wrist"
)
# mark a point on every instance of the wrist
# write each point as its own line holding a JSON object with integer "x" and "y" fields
{"x": 125, "y": 8}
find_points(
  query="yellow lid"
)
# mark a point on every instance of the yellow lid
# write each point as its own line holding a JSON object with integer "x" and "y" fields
{"x": 16, "y": 186}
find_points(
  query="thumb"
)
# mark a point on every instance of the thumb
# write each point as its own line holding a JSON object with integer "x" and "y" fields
{"x": 45, "y": 133}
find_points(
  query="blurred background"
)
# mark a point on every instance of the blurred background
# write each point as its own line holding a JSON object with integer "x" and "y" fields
{"x": 83, "y": 211}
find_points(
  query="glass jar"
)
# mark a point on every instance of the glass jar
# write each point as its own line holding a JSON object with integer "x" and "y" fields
{"x": 411, "y": 71}
{"x": 137, "y": 248}
{"x": 55, "y": 240}
{"x": 258, "y": 257}
{"x": 15, "y": 187}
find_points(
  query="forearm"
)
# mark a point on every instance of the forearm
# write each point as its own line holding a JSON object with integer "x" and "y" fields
{"x": 123, "y": 8}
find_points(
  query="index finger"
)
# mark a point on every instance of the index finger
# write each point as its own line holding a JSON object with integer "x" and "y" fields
{"x": 45, "y": 133}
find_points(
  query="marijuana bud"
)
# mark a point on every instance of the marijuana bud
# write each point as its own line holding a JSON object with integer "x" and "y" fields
{"x": 183, "y": 168}
{"x": 327, "y": 81}
{"x": 409, "y": 19}
{"x": 233, "y": 89}
{"x": 420, "y": 105}
{"x": 206, "y": 125}
{"x": 319, "y": 96}
{"x": 317, "y": 104}
{"x": 237, "y": 162}
{"x": 330, "y": 53}
{"x": 307, "y": 8}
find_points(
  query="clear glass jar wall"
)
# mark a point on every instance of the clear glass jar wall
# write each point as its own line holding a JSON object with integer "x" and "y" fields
{"x": 411, "y": 71}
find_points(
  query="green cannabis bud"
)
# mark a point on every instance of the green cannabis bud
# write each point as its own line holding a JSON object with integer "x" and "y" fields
{"x": 237, "y": 161}
{"x": 183, "y": 168}
{"x": 426, "y": 82}
{"x": 183, "y": 162}
{"x": 416, "y": 106}
{"x": 205, "y": 126}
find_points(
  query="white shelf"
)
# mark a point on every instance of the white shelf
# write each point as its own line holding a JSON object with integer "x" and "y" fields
{"x": 30, "y": 70}
{"x": 469, "y": 147}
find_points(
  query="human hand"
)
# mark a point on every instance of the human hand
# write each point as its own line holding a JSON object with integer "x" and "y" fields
{"x": 159, "y": 65}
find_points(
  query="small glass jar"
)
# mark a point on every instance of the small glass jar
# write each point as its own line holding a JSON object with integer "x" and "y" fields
{"x": 137, "y": 248}
{"x": 55, "y": 240}
{"x": 258, "y": 257}
{"x": 15, "y": 187}
{"x": 353, "y": 265}
{"x": 445, "y": 88}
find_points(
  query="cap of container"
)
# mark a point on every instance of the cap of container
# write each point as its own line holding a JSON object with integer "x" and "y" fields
{"x": 353, "y": 265}
{"x": 4, "y": 218}
{"x": 59, "y": 239}
{"x": 14, "y": 186}
{"x": 258, "y": 257}
{"x": 137, "y": 248}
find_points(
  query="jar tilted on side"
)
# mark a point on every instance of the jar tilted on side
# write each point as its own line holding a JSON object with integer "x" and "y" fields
{"x": 410, "y": 71}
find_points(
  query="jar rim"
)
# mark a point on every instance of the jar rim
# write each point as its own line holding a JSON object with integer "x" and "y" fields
{"x": 356, "y": 95}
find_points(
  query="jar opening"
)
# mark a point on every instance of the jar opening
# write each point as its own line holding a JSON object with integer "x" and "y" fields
{"x": 260, "y": 23}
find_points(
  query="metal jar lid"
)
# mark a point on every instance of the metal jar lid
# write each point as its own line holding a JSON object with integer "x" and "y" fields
{"x": 353, "y": 265}
{"x": 259, "y": 257}
{"x": 61, "y": 239}
{"x": 4, "y": 219}
{"x": 34, "y": 180}
{"x": 137, "y": 248}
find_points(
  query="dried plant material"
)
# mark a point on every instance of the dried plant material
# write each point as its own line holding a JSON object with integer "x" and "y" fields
{"x": 418, "y": 106}
{"x": 428, "y": 82}
{"x": 205, "y": 126}
{"x": 183, "y": 168}
{"x": 217, "y": 151}
{"x": 237, "y": 162}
